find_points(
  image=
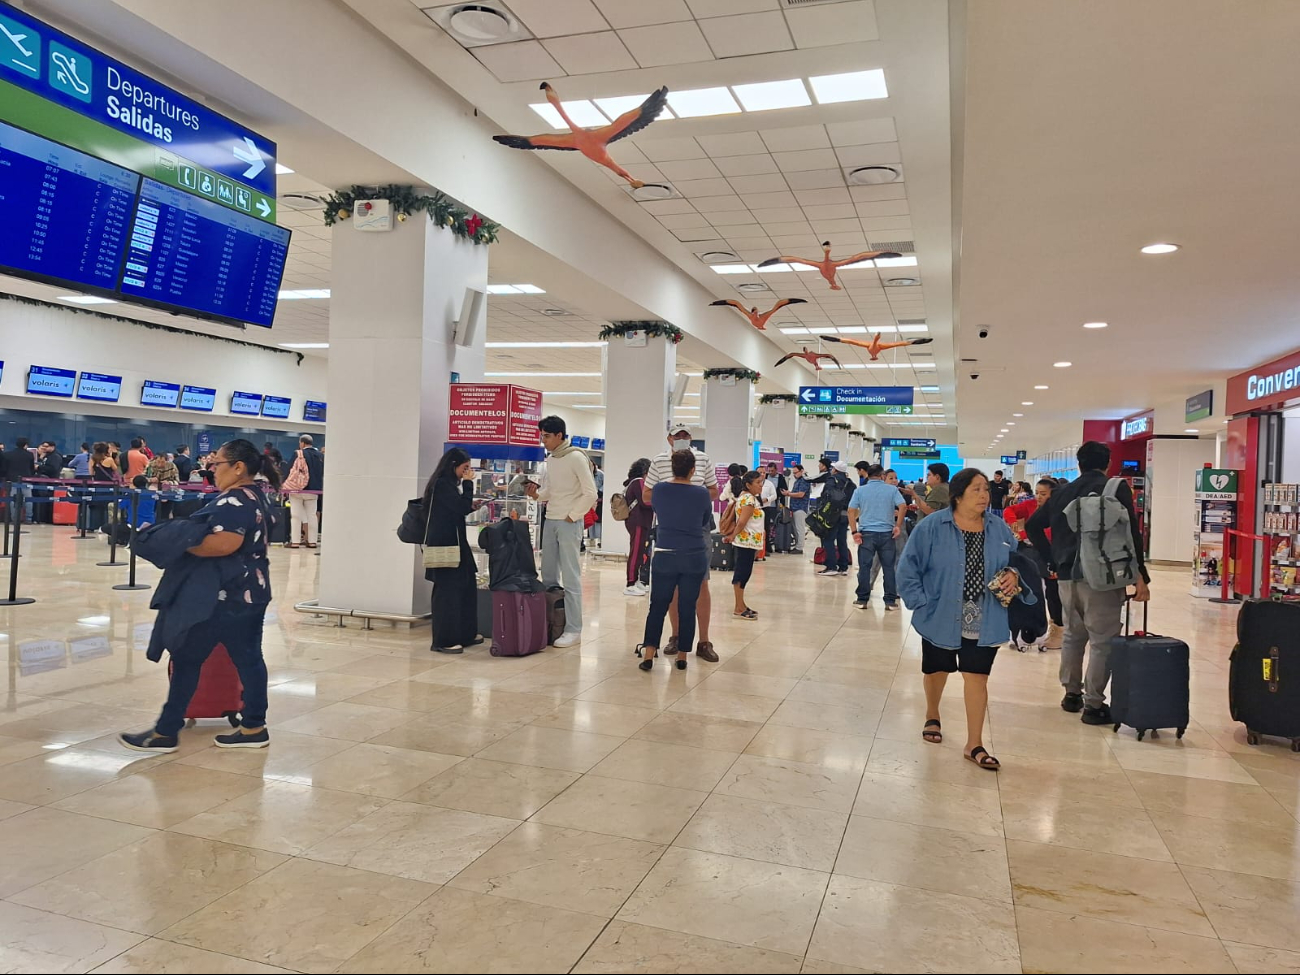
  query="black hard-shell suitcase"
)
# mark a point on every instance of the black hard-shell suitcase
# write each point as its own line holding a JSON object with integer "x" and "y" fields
{"x": 1150, "y": 681}
{"x": 1264, "y": 673}
{"x": 721, "y": 555}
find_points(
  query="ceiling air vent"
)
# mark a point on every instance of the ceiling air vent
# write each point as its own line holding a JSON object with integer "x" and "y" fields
{"x": 902, "y": 246}
{"x": 478, "y": 24}
{"x": 301, "y": 201}
{"x": 921, "y": 355}
{"x": 805, "y": 3}
{"x": 910, "y": 321}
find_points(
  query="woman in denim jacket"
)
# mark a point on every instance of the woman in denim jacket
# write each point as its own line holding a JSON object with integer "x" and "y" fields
{"x": 946, "y": 576}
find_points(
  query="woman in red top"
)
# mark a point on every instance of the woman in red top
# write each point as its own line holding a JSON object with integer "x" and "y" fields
{"x": 1016, "y": 515}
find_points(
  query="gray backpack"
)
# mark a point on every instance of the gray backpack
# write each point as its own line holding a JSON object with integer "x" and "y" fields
{"x": 1106, "y": 559}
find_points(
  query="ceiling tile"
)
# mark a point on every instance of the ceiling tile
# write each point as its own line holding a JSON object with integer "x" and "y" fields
{"x": 739, "y": 231}
{"x": 799, "y": 245}
{"x": 821, "y": 198}
{"x": 775, "y": 214}
{"x": 663, "y": 150}
{"x": 666, "y": 44}
{"x": 644, "y": 172}
{"x": 759, "y": 33}
{"x": 590, "y": 53}
{"x": 837, "y": 23}
{"x": 880, "y": 191}
{"x": 690, "y": 169}
{"x": 796, "y": 137}
{"x": 828, "y": 211}
{"x": 757, "y": 201}
{"x": 746, "y": 165}
{"x": 639, "y": 13}
{"x": 883, "y": 208}
{"x": 684, "y": 221}
{"x": 662, "y": 208}
{"x": 521, "y": 61}
{"x": 722, "y": 8}
{"x": 880, "y": 154}
{"x": 877, "y": 224}
{"x": 625, "y": 151}
{"x": 719, "y": 204}
{"x": 555, "y": 18}
{"x": 703, "y": 187}
{"x": 753, "y": 244}
{"x": 815, "y": 179}
{"x": 770, "y": 183}
{"x": 733, "y": 144}
{"x": 862, "y": 131}
{"x": 838, "y": 229}
{"x": 806, "y": 159}
{"x": 780, "y": 228}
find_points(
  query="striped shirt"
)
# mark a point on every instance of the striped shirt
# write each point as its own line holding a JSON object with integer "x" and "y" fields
{"x": 661, "y": 469}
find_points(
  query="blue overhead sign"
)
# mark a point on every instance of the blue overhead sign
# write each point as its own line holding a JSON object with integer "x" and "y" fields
{"x": 909, "y": 442}
{"x": 857, "y": 400}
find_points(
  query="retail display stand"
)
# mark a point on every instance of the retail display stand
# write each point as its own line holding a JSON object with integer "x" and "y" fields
{"x": 1216, "y": 510}
{"x": 1282, "y": 519}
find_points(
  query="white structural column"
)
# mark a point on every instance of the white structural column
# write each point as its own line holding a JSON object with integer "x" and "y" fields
{"x": 813, "y": 432}
{"x": 839, "y": 440}
{"x": 638, "y": 381}
{"x": 728, "y": 414}
{"x": 780, "y": 426}
{"x": 394, "y": 298}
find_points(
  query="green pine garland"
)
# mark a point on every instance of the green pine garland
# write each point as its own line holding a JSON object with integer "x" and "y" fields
{"x": 839, "y": 426}
{"x": 777, "y": 398}
{"x": 653, "y": 327}
{"x": 406, "y": 201}
{"x": 739, "y": 373}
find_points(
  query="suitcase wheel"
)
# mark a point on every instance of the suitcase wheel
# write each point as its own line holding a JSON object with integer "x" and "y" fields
{"x": 1181, "y": 732}
{"x": 233, "y": 718}
{"x": 493, "y": 650}
{"x": 190, "y": 722}
{"x": 1295, "y": 744}
{"x": 1116, "y": 728}
{"x": 1252, "y": 738}
{"x": 1141, "y": 735}
{"x": 1155, "y": 732}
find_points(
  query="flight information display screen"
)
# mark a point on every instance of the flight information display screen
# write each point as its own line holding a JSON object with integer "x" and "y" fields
{"x": 246, "y": 404}
{"x": 276, "y": 406}
{"x": 65, "y": 213}
{"x": 313, "y": 411}
{"x": 198, "y": 398}
{"x": 97, "y": 385}
{"x": 156, "y": 393}
{"x": 49, "y": 381}
{"x": 193, "y": 254}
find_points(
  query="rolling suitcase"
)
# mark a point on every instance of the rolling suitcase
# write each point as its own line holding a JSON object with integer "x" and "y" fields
{"x": 220, "y": 693}
{"x": 722, "y": 556}
{"x": 555, "y": 618}
{"x": 1150, "y": 680}
{"x": 518, "y": 623}
{"x": 1264, "y": 672}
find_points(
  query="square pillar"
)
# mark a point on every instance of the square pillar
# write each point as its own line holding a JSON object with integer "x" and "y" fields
{"x": 728, "y": 415}
{"x": 780, "y": 426}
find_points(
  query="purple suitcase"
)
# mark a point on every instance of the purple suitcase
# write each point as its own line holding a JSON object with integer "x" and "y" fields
{"x": 518, "y": 623}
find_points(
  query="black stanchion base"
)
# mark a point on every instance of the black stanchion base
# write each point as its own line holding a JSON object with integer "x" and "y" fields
{"x": 81, "y": 538}
{"x": 20, "y": 601}
{"x": 1230, "y": 602}
{"x": 112, "y": 565}
{"x": 127, "y": 587}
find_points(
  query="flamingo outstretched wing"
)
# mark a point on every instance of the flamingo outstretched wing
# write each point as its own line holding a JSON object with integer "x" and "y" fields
{"x": 785, "y": 358}
{"x": 564, "y": 142}
{"x": 788, "y": 301}
{"x": 732, "y": 302}
{"x": 636, "y": 119}
{"x": 920, "y": 341}
{"x": 788, "y": 260}
{"x": 865, "y": 256}
{"x": 836, "y": 338}
{"x": 827, "y": 355}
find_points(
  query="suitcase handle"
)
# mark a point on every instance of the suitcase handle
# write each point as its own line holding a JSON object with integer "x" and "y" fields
{"x": 1128, "y": 610}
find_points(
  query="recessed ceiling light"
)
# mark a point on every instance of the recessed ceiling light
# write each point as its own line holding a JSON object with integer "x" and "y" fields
{"x": 282, "y": 170}
{"x": 1011, "y": 423}
{"x": 1191, "y": 430}
{"x": 852, "y": 86}
{"x": 653, "y": 191}
{"x": 1004, "y": 430}
{"x": 853, "y": 329}
{"x": 907, "y": 260}
{"x": 554, "y": 312}
{"x": 752, "y": 286}
{"x": 1095, "y": 324}
{"x": 304, "y": 293}
{"x": 87, "y": 300}
{"x": 1161, "y": 248}
{"x": 582, "y": 112}
{"x": 772, "y": 94}
{"x": 902, "y": 282}
{"x": 710, "y": 257}
{"x": 732, "y": 268}
{"x": 1017, "y": 414}
{"x": 304, "y": 345}
{"x": 823, "y": 329}
{"x": 1039, "y": 387}
{"x": 503, "y": 289}
{"x": 913, "y": 328}
{"x": 616, "y": 106}
{"x": 794, "y": 331}
{"x": 698, "y": 102}
{"x": 869, "y": 175}
{"x": 530, "y": 289}
{"x": 1027, "y": 402}
{"x": 774, "y": 268}
{"x": 1062, "y": 365}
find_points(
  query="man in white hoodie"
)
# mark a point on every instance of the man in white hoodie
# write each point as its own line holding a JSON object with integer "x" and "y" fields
{"x": 569, "y": 491}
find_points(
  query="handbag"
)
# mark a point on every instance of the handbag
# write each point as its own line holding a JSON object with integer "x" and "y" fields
{"x": 298, "y": 477}
{"x": 441, "y": 556}
{"x": 414, "y": 523}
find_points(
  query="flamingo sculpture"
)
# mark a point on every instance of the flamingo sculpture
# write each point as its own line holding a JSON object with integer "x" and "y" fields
{"x": 752, "y": 315}
{"x": 827, "y": 266}
{"x": 811, "y": 357}
{"x": 875, "y": 346}
{"x": 592, "y": 142}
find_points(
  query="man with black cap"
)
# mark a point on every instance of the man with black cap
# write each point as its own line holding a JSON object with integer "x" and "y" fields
{"x": 836, "y": 544}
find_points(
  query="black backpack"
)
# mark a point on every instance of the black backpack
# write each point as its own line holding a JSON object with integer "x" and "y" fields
{"x": 834, "y": 500}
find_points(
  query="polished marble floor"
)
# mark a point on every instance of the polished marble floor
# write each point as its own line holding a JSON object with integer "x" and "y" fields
{"x": 776, "y": 812}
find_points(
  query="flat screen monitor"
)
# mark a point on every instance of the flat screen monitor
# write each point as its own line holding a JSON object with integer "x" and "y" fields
{"x": 198, "y": 398}
{"x": 66, "y": 214}
{"x": 246, "y": 404}
{"x": 276, "y": 406}
{"x": 157, "y": 393}
{"x": 99, "y": 386}
{"x": 313, "y": 411}
{"x": 1130, "y": 466}
{"x": 190, "y": 254}
{"x": 49, "y": 381}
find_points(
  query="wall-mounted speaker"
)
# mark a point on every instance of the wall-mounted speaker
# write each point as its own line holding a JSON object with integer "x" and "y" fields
{"x": 466, "y": 324}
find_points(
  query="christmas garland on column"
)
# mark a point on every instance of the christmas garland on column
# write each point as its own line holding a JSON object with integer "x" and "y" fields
{"x": 739, "y": 373}
{"x": 406, "y": 201}
{"x": 652, "y": 328}
{"x": 839, "y": 426}
{"x": 767, "y": 398}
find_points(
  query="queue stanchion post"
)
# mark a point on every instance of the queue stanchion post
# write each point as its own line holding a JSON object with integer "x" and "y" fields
{"x": 113, "y": 561}
{"x": 15, "y": 516}
{"x": 131, "y": 585}
{"x": 85, "y": 495}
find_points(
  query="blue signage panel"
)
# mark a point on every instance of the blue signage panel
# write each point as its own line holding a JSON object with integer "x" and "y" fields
{"x": 246, "y": 404}
{"x": 157, "y": 393}
{"x": 61, "y": 69}
{"x": 793, "y": 457}
{"x": 276, "y": 406}
{"x": 313, "y": 411}
{"x": 1009, "y": 460}
{"x": 49, "y": 381}
{"x": 831, "y": 455}
{"x": 580, "y": 441}
{"x": 1022, "y": 455}
{"x": 198, "y": 398}
{"x": 597, "y": 443}
{"x": 903, "y": 442}
{"x": 856, "y": 400}
{"x": 205, "y": 443}
{"x": 97, "y": 385}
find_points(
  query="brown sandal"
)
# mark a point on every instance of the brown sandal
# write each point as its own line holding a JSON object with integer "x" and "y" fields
{"x": 935, "y": 736}
{"x": 979, "y": 756}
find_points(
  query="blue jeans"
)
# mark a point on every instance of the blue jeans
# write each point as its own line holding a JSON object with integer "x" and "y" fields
{"x": 875, "y": 544}
{"x": 241, "y": 632}
{"x": 561, "y": 544}
{"x": 837, "y": 547}
{"x": 685, "y": 573}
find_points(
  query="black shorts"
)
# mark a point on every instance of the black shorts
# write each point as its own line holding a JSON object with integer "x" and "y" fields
{"x": 970, "y": 659}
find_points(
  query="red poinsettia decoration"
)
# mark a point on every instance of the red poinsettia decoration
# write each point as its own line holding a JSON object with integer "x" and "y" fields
{"x": 472, "y": 223}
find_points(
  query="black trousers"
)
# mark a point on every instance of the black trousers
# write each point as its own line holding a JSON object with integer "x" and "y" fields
{"x": 454, "y": 605}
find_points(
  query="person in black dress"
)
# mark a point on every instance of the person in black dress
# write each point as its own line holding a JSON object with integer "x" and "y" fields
{"x": 449, "y": 498}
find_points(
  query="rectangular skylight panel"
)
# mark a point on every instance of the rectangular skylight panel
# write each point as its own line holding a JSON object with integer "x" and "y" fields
{"x": 617, "y": 105}
{"x": 767, "y": 95}
{"x": 852, "y": 86}
{"x": 697, "y": 102}
{"x": 732, "y": 268}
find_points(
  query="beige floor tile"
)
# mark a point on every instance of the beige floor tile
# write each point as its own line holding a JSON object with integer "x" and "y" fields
{"x": 1230, "y": 802}
{"x": 846, "y": 752}
{"x": 641, "y": 691}
{"x": 160, "y": 797}
{"x": 305, "y": 916}
{"x": 64, "y": 772}
{"x": 1251, "y": 959}
{"x": 324, "y": 688}
{"x": 919, "y": 759}
{"x": 415, "y": 841}
{"x": 150, "y": 884}
{"x": 1074, "y": 943}
{"x": 288, "y": 757}
{"x": 377, "y": 770}
{"x": 927, "y": 802}
{"x": 77, "y": 723}
{"x": 155, "y": 957}
{"x": 1100, "y": 885}
{"x": 839, "y": 695}
{"x": 35, "y": 941}
{"x": 446, "y": 735}
{"x": 1261, "y": 850}
{"x": 493, "y": 788}
{"x": 352, "y": 722}
{"x": 637, "y": 810}
{"x": 1027, "y": 778}
{"x": 410, "y": 695}
{"x": 816, "y": 965}
{"x": 458, "y": 931}
{"x": 766, "y": 665}
{"x": 661, "y": 763}
{"x": 721, "y": 734}
{"x": 921, "y": 856}
{"x": 384, "y": 667}
{"x": 769, "y": 831}
{"x": 827, "y": 717}
{"x": 1176, "y": 758}
{"x": 745, "y": 902}
{"x": 1255, "y": 910}
{"x": 587, "y": 872}
{"x": 570, "y": 751}
{"x": 1082, "y": 825}
{"x": 635, "y": 948}
{"x": 725, "y": 704}
{"x": 795, "y": 783}
{"x": 16, "y": 749}
{"x": 908, "y": 929}
{"x": 596, "y": 718}
{"x": 10, "y": 809}
{"x": 754, "y": 685}
{"x": 282, "y": 817}
{"x": 44, "y": 843}
{"x": 498, "y": 707}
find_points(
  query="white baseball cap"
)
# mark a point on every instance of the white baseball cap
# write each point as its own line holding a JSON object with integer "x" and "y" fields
{"x": 841, "y": 465}
{"x": 677, "y": 428}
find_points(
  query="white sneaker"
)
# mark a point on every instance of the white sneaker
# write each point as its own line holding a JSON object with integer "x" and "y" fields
{"x": 642, "y": 589}
{"x": 632, "y": 591}
{"x": 568, "y": 640}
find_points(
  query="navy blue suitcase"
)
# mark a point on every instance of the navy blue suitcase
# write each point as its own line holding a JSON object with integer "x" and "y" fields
{"x": 1261, "y": 692}
{"x": 1150, "y": 681}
